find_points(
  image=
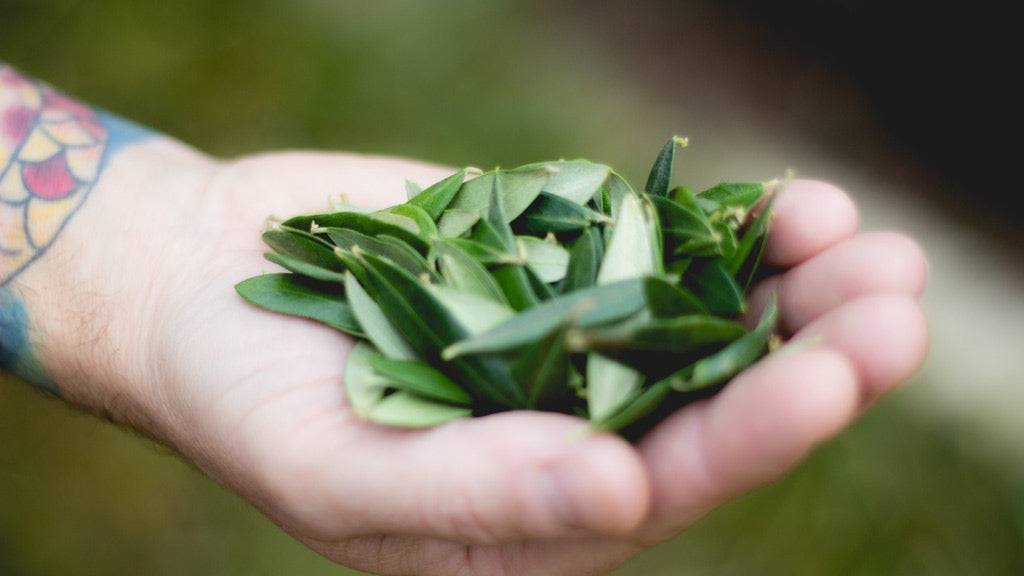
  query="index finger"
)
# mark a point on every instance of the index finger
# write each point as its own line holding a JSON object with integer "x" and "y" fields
{"x": 808, "y": 217}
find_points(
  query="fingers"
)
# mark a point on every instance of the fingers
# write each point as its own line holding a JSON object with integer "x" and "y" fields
{"x": 756, "y": 429}
{"x": 502, "y": 478}
{"x": 808, "y": 217}
{"x": 772, "y": 415}
{"x": 881, "y": 262}
{"x": 884, "y": 337}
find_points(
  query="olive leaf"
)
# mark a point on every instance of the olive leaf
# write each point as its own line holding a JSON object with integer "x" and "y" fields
{"x": 297, "y": 296}
{"x": 549, "y": 286}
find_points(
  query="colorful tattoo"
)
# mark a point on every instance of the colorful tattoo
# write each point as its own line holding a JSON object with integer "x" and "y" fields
{"x": 52, "y": 150}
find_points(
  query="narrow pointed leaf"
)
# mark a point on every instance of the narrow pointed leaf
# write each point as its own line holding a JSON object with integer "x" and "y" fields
{"x": 666, "y": 299}
{"x": 298, "y": 245}
{"x": 543, "y": 369}
{"x": 363, "y": 386}
{"x": 419, "y": 378}
{"x": 375, "y": 324}
{"x": 405, "y": 410}
{"x": 630, "y": 253}
{"x": 715, "y": 287}
{"x": 584, "y": 260}
{"x": 427, "y": 326}
{"x": 304, "y": 268}
{"x": 434, "y": 199}
{"x": 610, "y": 385}
{"x": 463, "y": 272}
{"x": 296, "y": 296}
{"x": 592, "y": 306}
{"x": 732, "y": 359}
{"x": 660, "y": 178}
{"x": 547, "y": 259}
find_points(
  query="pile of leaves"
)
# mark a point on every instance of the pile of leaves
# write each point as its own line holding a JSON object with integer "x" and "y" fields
{"x": 552, "y": 286}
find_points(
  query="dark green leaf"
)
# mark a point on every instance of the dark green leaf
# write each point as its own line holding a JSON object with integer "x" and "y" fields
{"x": 550, "y": 213}
{"x": 543, "y": 369}
{"x": 388, "y": 247}
{"x": 438, "y": 196}
{"x": 715, "y": 287}
{"x": 298, "y": 245}
{"x": 598, "y": 304}
{"x": 666, "y": 299}
{"x": 660, "y": 178}
{"x": 427, "y": 326}
{"x": 741, "y": 194}
{"x": 375, "y": 324}
{"x": 369, "y": 224}
{"x": 304, "y": 268}
{"x": 421, "y": 379}
{"x": 736, "y": 356}
{"x": 585, "y": 256}
{"x": 297, "y": 296}
{"x": 678, "y": 335}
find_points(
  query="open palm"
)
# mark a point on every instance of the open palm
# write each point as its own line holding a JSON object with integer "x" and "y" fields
{"x": 256, "y": 399}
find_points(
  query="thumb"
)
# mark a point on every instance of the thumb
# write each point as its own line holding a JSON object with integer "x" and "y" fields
{"x": 500, "y": 478}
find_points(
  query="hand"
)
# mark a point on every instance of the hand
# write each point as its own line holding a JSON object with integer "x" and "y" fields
{"x": 256, "y": 400}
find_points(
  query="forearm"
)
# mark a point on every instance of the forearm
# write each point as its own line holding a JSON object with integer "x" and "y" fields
{"x": 84, "y": 196}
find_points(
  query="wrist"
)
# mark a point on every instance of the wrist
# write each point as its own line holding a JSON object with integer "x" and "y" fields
{"x": 87, "y": 305}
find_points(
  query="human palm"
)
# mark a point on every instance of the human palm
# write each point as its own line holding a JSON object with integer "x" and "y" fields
{"x": 256, "y": 399}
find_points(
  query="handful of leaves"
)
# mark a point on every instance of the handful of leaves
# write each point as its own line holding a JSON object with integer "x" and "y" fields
{"x": 553, "y": 286}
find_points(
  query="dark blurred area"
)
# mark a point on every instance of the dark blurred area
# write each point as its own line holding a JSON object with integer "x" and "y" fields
{"x": 939, "y": 77}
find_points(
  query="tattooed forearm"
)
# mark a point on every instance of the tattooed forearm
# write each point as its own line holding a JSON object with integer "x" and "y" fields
{"x": 52, "y": 152}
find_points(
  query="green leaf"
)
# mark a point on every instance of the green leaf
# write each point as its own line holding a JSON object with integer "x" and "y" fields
{"x": 297, "y": 245}
{"x": 374, "y": 322}
{"x": 575, "y": 180}
{"x": 676, "y": 335}
{"x": 518, "y": 190}
{"x": 592, "y": 306}
{"x": 666, "y": 299}
{"x": 735, "y": 357}
{"x": 304, "y": 268}
{"x": 641, "y": 404}
{"x": 297, "y": 296}
{"x": 456, "y": 222}
{"x": 427, "y": 326}
{"x": 464, "y": 272}
{"x": 548, "y": 260}
{"x": 610, "y": 385}
{"x": 421, "y": 379}
{"x": 660, "y": 178}
{"x": 715, "y": 287}
{"x": 475, "y": 312}
{"x": 585, "y": 255}
{"x": 363, "y": 386}
{"x": 438, "y": 196}
{"x": 550, "y": 213}
{"x": 737, "y": 194}
{"x": 543, "y": 369}
{"x": 630, "y": 252}
{"x": 405, "y": 410}
{"x": 388, "y": 247}
{"x": 424, "y": 224}
{"x": 370, "y": 224}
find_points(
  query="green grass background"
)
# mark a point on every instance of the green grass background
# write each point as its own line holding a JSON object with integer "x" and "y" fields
{"x": 463, "y": 83}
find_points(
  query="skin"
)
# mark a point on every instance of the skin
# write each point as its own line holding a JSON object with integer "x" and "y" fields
{"x": 130, "y": 313}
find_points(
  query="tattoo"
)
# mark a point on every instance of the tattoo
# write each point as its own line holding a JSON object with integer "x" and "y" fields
{"x": 52, "y": 151}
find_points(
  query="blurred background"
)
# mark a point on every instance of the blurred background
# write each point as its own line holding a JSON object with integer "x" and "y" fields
{"x": 907, "y": 108}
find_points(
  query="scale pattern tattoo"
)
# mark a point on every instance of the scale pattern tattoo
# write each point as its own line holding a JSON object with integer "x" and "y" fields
{"x": 51, "y": 150}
